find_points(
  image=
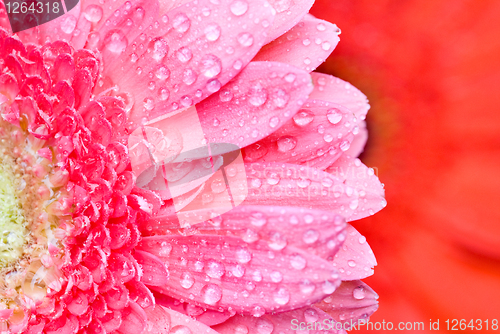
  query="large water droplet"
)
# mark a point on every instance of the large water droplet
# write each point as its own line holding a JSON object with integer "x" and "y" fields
{"x": 298, "y": 262}
{"x": 181, "y": 23}
{"x": 162, "y": 72}
{"x": 184, "y": 54}
{"x": 116, "y": 41}
{"x": 218, "y": 185}
{"x": 214, "y": 269}
{"x": 187, "y": 280}
{"x": 257, "y": 96}
{"x": 334, "y": 115}
{"x": 274, "y": 121}
{"x": 358, "y": 293}
{"x": 239, "y": 7}
{"x": 211, "y": 66}
{"x": 93, "y": 13}
{"x": 281, "y": 296}
{"x": 280, "y": 98}
{"x": 243, "y": 255}
{"x": 189, "y": 76}
{"x": 212, "y": 32}
{"x": 286, "y": 143}
{"x": 241, "y": 329}
{"x": 211, "y": 294}
{"x": 245, "y": 39}
{"x": 258, "y": 311}
{"x": 158, "y": 48}
{"x": 303, "y": 117}
{"x": 310, "y": 236}
{"x": 307, "y": 287}
{"x": 310, "y": 315}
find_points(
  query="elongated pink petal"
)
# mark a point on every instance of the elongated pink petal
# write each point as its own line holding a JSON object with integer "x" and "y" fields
{"x": 351, "y": 304}
{"x": 288, "y": 14}
{"x": 355, "y": 259}
{"x": 263, "y": 97}
{"x": 183, "y": 59}
{"x": 181, "y": 323}
{"x": 309, "y": 320}
{"x": 210, "y": 271}
{"x": 332, "y": 89}
{"x": 316, "y": 136}
{"x": 343, "y": 193}
{"x": 59, "y": 29}
{"x": 159, "y": 321}
{"x": 363, "y": 180}
{"x": 319, "y": 232}
{"x": 154, "y": 271}
{"x": 306, "y": 46}
{"x": 205, "y": 316}
{"x": 134, "y": 320}
{"x": 359, "y": 141}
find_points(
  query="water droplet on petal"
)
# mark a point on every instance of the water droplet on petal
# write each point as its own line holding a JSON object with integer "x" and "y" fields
{"x": 211, "y": 294}
{"x": 258, "y": 311}
{"x": 286, "y": 143}
{"x": 162, "y": 72}
{"x": 307, "y": 287}
{"x": 116, "y": 41}
{"x": 158, "y": 48}
{"x": 303, "y": 117}
{"x": 358, "y": 293}
{"x": 214, "y": 269}
{"x": 239, "y": 7}
{"x": 334, "y": 116}
{"x": 310, "y": 315}
{"x": 181, "y": 23}
{"x": 186, "y": 280}
{"x": 257, "y": 96}
{"x": 245, "y": 39}
{"x": 218, "y": 185}
{"x": 212, "y": 32}
{"x": 93, "y": 13}
{"x": 310, "y": 236}
{"x": 276, "y": 276}
{"x": 211, "y": 66}
{"x": 68, "y": 23}
{"x": 243, "y": 255}
{"x": 281, "y": 296}
{"x": 298, "y": 262}
{"x": 180, "y": 330}
{"x": 274, "y": 121}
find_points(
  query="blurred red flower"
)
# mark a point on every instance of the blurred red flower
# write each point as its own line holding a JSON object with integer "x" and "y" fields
{"x": 431, "y": 70}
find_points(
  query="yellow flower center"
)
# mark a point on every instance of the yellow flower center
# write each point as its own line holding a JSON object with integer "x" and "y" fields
{"x": 12, "y": 223}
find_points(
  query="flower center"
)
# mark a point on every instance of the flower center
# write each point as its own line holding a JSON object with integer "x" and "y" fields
{"x": 12, "y": 223}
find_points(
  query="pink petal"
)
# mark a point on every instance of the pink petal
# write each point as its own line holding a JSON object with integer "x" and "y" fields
{"x": 343, "y": 193}
{"x": 319, "y": 232}
{"x": 362, "y": 181}
{"x": 247, "y": 278}
{"x": 254, "y": 104}
{"x": 355, "y": 259}
{"x": 188, "y": 58}
{"x": 306, "y": 46}
{"x": 352, "y": 303}
{"x": 154, "y": 271}
{"x": 60, "y": 29}
{"x": 206, "y": 316}
{"x": 332, "y": 89}
{"x": 134, "y": 320}
{"x": 287, "y": 322}
{"x": 316, "y": 136}
{"x": 159, "y": 320}
{"x": 359, "y": 141}
{"x": 288, "y": 14}
{"x": 181, "y": 323}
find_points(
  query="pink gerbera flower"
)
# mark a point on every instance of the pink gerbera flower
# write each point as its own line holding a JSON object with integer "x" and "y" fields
{"x": 176, "y": 167}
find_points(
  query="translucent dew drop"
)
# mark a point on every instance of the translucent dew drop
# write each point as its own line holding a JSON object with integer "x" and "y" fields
{"x": 281, "y": 296}
{"x": 212, "y": 32}
{"x": 184, "y": 54}
{"x": 257, "y": 96}
{"x": 158, "y": 49}
{"x": 214, "y": 269}
{"x": 303, "y": 117}
{"x": 211, "y": 66}
{"x": 286, "y": 143}
{"x": 245, "y": 39}
{"x": 180, "y": 330}
{"x": 211, "y": 294}
{"x": 181, "y": 23}
{"x": 358, "y": 293}
{"x": 298, "y": 262}
{"x": 93, "y": 13}
{"x": 334, "y": 115}
{"x": 239, "y": 7}
{"x": 187, "y": 280}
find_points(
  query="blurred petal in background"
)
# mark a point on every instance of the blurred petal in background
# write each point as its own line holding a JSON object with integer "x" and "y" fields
{"x": 431, "y": 70}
